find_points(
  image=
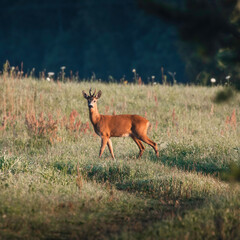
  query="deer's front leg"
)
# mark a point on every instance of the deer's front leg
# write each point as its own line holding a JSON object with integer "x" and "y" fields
{"x": 103, "y": 145}
{"x": 109, "y": 143}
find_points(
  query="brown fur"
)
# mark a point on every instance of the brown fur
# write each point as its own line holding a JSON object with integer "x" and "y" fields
{"x": 107, "y": 126}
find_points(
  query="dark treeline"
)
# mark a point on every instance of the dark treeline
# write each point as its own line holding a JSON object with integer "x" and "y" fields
{"x": 109, "y": 38}
{"x": 197, "y": 39}
{"x": 211, "y": 33}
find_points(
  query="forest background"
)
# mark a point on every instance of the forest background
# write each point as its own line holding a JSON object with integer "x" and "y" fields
{"x": 110, "y": 38}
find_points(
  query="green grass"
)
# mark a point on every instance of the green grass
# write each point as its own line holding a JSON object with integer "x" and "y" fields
{"x": 54, "y": 186}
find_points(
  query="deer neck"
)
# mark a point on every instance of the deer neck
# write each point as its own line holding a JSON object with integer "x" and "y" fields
{"x": 94, "y": 115}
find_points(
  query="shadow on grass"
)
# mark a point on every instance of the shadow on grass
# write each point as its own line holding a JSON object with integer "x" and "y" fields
{"x": 112, "y": 173}
{"x": 114, "y": 224}
{"x": 161, "y": 189}
{"x": 206, "y": 165}
{"x": 124, "y": 179}
{"x": 164, "y": 200}
{"x": 193, "y": 158}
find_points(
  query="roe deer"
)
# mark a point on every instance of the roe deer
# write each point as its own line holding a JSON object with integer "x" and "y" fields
{"x": 107, "y": 126}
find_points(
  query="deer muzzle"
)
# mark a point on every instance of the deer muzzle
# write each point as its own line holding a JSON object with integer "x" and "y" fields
{"x": 90, "y": 105}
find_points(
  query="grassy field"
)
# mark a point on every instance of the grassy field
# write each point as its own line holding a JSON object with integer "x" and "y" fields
{"x": 54, "y": 186}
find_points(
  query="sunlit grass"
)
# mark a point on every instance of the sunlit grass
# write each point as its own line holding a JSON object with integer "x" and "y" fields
{"x": 54, "y": 186}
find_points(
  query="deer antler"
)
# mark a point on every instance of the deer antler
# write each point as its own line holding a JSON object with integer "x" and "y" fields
{"x": 90, "y": 93}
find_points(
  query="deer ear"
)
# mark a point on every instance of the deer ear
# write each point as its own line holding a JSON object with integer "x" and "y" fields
{"x": 84, "y": 94}
{"x": 99, "y": 94}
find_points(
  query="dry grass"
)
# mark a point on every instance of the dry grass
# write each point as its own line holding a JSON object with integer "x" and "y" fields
{"x": 54, "y": 186}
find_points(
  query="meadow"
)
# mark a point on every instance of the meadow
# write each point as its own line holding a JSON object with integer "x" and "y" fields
{"x": 53, "y": 185}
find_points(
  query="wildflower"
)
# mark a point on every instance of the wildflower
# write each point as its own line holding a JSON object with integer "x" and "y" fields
{"x": 213, "y": 80}
{"x": 134, "y": 70}
{"x": 153, "y": 77}
{"x": 228, "y": 77}
{"x": 50, "y": 74}
{"x": 13, "y": 68}
{"x": 140, "y": 81}
{"x": 154, "y": 83}
{"x": 48, "y": 79}
{"x": 63, "y": 68}
{"x": 125, "y": 82}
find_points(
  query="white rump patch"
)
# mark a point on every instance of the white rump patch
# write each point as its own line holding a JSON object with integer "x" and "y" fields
{"x": 125, "y": 135}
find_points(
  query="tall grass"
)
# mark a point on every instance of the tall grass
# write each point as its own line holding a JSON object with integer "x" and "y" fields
{"x": 54, "y": 186}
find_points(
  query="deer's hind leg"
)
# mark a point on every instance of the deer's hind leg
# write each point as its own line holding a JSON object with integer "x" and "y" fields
{"x": 140, "y": 145}
{"x": 151, "y": 143}
{"x": 140, "y": 132}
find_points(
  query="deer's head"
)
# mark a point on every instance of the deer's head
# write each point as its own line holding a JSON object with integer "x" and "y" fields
{"x": 92, "y": 98}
